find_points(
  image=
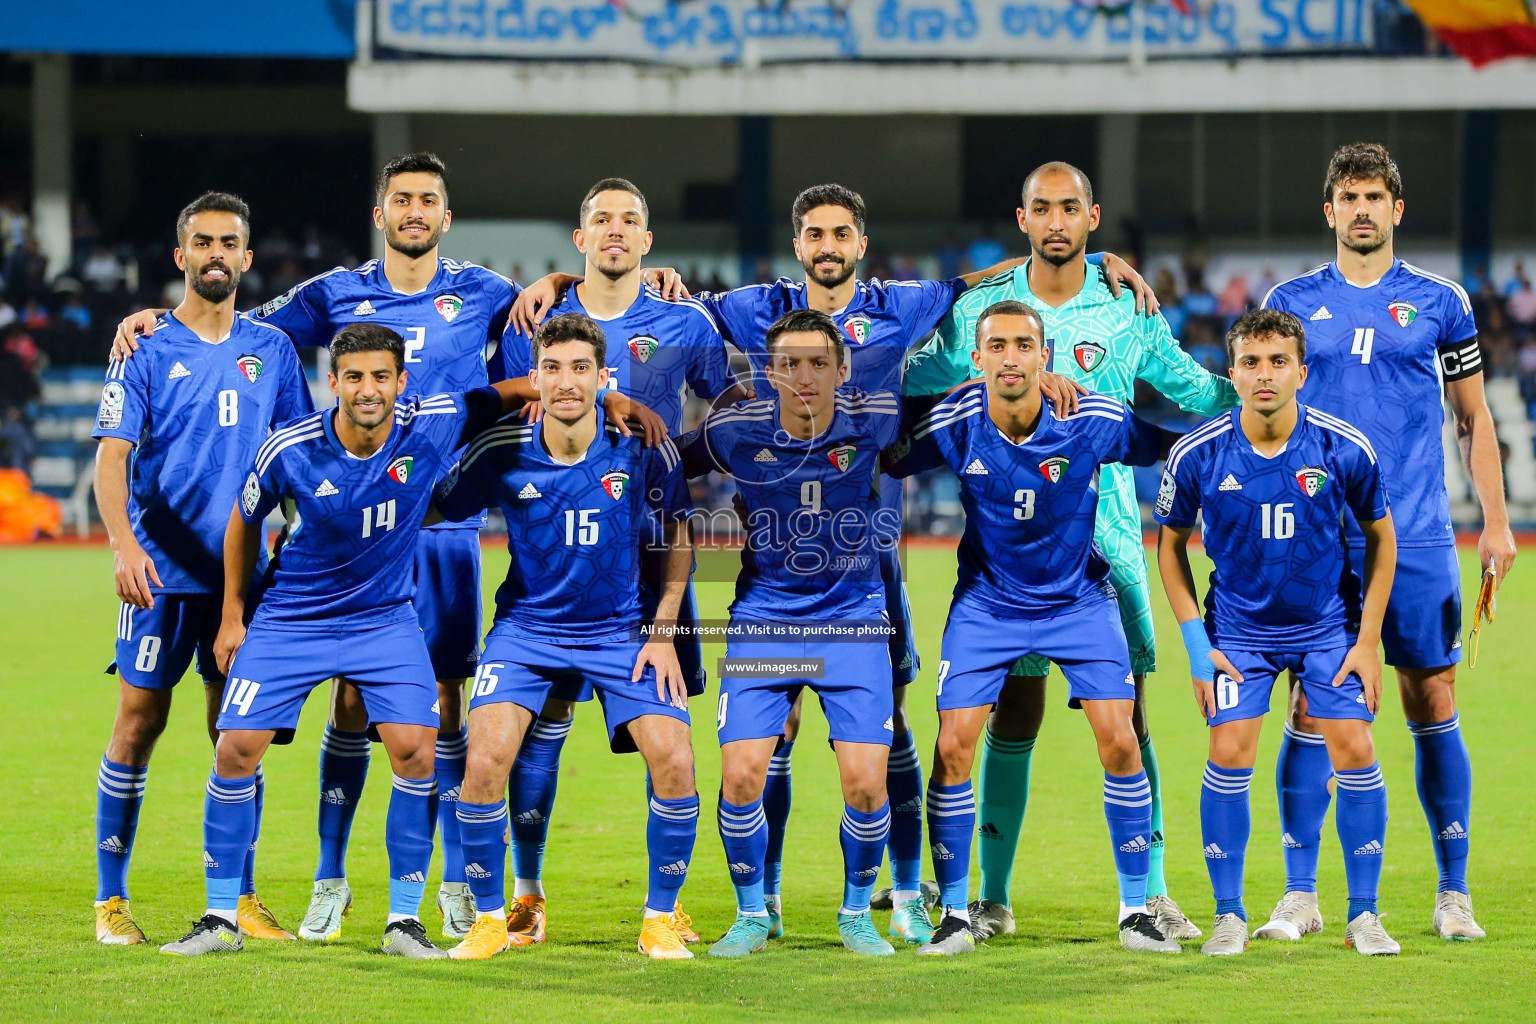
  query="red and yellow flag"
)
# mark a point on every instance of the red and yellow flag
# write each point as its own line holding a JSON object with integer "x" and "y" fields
{"x": 1481, "y": 30}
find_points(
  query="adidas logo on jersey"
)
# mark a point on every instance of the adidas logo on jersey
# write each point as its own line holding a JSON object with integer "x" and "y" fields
{"x": 532, "y": 817}
{"x": 335, "y": 796}
{"x": 1321, "y": 314}
{"x": 179, "y": 371}
{"x": 208, "y": 861}
{"x": 1214, "y": 852}
{"x": 1289, "y": 843}
{"x": 1230, "y": 484}
{"x": 765, "y": 456}
{"x": 941, "y": 852}
{"x": 989, "y": 831}
{"x": 112, "y": 844}
{"x": 1455, "y": 830}
{"x": 414, "y": 876}
{"x": 528, "y": 492}
{"x": 976, "y": 468}
{"x": 364, "y": 308}
{"x": 1370, "y": 849}
{"x": 326, "y": 489}
{"x": 473, "y": 870}
{"x": 912, "y": 806}
{"x": 677, "y": 867}
{"x": 1137, "y": 845}
{"x": 741, "y": 868}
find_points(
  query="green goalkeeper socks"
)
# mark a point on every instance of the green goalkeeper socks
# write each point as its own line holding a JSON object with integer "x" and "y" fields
{"x": 1004, "y": 795}
{"x": 1157, "y": 885}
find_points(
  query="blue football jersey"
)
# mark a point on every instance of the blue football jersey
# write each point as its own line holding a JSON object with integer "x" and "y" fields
{"x": 1282, "y": 580}
{"x": 656, "y": 349}
{"x": 813, "y": 507}
{"x": 1375, "y": 358}
{"x": 197, "y": 413}
{"x": 882, "y": 321}
{"x": 1028, "y": 549}
{"x": 350, "y": 561}
{"x": 575, "y": 532}
{"x": 447, "y": 327}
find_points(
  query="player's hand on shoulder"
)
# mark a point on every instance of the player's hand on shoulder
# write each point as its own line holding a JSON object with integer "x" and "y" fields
{"x": 621, "y": 408}
{"x": 134, "y": 572}
{"x": 1061, "y": 392}
{"x": 532, "y": 412}
{"x": 1363, "y": 660}
{"x": 667, "y": 281}
{"x": 231, "y": 636}
{"x": 534, "y": 302}
{"x": 1118, "y": 272}
{"x": 126, "y": 342}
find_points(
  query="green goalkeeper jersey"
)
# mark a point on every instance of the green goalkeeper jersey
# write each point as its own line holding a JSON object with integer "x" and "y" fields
{"x": 1102, "y": 343}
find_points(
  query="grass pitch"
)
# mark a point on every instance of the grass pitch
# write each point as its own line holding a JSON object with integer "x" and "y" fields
{"x": 58, "y": 609}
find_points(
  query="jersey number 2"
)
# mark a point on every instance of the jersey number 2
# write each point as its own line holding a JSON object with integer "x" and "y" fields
{"x": 415, "y": 341}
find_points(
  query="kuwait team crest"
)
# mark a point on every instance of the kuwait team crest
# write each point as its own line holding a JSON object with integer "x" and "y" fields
{"x": 1312, "y": 479}
{"x": 1088, "y": 354}
{"x": 1403, "y": 312}
{"x": 842, "y": 457}
{"x": 643, "y": 346}
{"x": 400, "y": 469}
{"x": 250, "y": 366}
{"x": 615, "y": 482}
{"x": 1054, "y": 468}
{"x": 448, "y": 305}
{"x": 857, "y": 328}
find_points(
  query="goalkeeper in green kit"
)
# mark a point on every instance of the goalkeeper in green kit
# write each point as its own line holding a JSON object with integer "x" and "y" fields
{"x": 1105, "y": 345}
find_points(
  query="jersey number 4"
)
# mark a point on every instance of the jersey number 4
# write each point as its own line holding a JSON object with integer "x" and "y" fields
{"x": 1365, "y": 337}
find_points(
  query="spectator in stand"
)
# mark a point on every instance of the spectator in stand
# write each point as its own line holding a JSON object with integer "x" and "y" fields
{"x": 951, "y": 257}
{"x": 1521, "y": 304}
{"x": 35, "y": 315}
{"x": 75, "y": 312}
{"x": 1166, "y": 286}
{"x": 103, "y": 272}
{"x": 1233, "y": 301}
{"x": 7, "y": 313}
{"x": 84, "y": 233}
{"x": 1262, "y": 286}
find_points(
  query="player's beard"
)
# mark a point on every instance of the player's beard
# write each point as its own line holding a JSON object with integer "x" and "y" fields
{"x": 415, "y": 250}
{"x": 620, "y": 270}
{"x": 1059, "y": 259}
{"x": 833, "y": 278}
{"x": 1365, "y": 246}
{"x": 216, "y": 291}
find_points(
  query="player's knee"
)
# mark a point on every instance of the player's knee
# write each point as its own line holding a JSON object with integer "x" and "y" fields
{"x": 486, "y": 762}
{"x": 864, "y": 791}
{"x": 1430, "y": 698}
{"x": 672, "y": 772}
{"x": 1227, "y": 751}
{"x": 237, "y": 755}
{"x": 1352, "y": 748}
{"x": 954, "y": 754}
{"x": 741, "y": 782}
{"x": 557, "y": 710}
{"x": 135, "y": 732}
{"x": 1019, "y": 710}
{"x": 1119, "y": 752}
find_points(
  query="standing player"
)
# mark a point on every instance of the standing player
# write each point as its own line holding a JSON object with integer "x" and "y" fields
{"x": 1111, "y": 348}
{"x": 196, "y": 406}
{"x": 667, "y": 347}
{"x": 337, "y": 602}
{"x": 882, "y": 320}
{"x": 581, "y": 500}
{"x": 806, "y": 462}
{"x": 1028, "y": 481}
{"x": 1271, "y": 481}
{"x": 1384, "y": 335}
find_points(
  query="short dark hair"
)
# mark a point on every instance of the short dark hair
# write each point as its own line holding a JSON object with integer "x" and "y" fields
{"x": 806, "y": 321}
{"x": 827, "y": 195}
{"x": 1362, "y": 161}
{"x": 367, "y": 337}
{"x": 1057, "y": 167}
{"x": 213, "y": 202}
{"x": 571, "y": 327}
{"x": 1267, "y": 321}
{"x": 1010, "y": 307}
{"x": 411, "y": 163}
{"x": 613, "y": 185}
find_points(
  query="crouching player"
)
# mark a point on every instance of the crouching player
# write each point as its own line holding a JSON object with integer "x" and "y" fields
{"x": 807, "y": 466}
{"x": 1272, "y": 479}
{"x": 1031, "y": 582}
{"x": 337, "y": 602}
{"x": 579, "y": 498}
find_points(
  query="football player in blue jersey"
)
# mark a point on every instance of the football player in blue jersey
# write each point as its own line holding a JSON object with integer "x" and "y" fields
{"x": 581, "y": 502}
{"x": 1028, "y": 481}
{"x": 1388, "y": 344}
{"x": 1271, "y": 480}
{"x": 806, "y": 462}
{"x": 881, "y": 321}
{"x": 657, "y": 350}
{"x": 177, "y": 427}
{"x": 449, "y": 314}
{"x": 336, "y": 602}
